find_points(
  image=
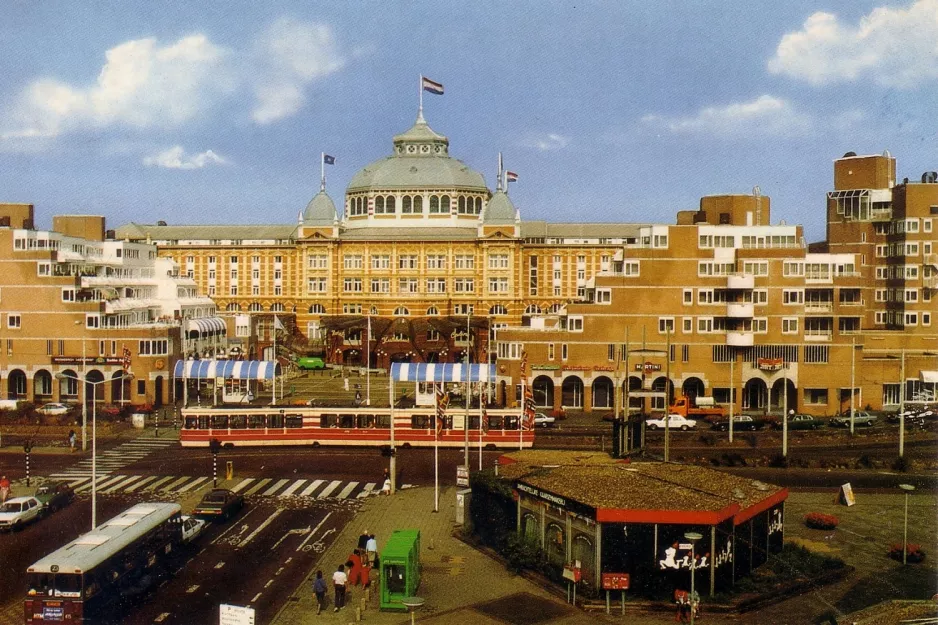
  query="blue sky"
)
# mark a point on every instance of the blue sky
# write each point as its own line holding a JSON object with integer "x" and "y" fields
{"x": 609, "y": 111}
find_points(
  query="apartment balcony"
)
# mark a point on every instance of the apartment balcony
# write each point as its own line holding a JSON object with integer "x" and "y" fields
{"x": 818, "y": 307}
{"x": 740, "y": 311}
{"x": 931, "y": 259}
{"x": 739, "y": 339}
{"x": 740, "y": 281}
{"x": 931, "y": 282}
{"x": 818, "y": 336}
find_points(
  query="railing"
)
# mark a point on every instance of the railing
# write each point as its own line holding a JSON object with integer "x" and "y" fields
{"x": 818, "y": 307}
{"x": 740, "y": 281}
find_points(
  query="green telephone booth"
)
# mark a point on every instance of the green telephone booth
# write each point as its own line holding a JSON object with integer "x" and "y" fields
{"x": 400, "y": 569}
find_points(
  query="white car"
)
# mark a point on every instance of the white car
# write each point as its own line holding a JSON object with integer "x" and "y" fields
{"x": 53, "y": 409}
{"x": 675, "y": 421}
{"x": 191, "y": 528}
{"x": 17, "y": 512}
{"x": 543, "y": 420}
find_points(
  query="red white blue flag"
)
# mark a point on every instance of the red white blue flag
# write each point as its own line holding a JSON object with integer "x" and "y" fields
{"x": 442, "y": 401}
{"x": 511, "y": 176}
{"x": 431, "y": 85}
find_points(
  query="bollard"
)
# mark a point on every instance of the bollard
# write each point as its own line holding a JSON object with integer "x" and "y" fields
{"x": 363, "y": 605}
{"x": 358, "y": 615}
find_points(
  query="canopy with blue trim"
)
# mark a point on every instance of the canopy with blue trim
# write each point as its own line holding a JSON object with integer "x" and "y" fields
{"x": 229, "y": 369}
{"x": 206, "y": 325}
{"x": 441, "y": 372}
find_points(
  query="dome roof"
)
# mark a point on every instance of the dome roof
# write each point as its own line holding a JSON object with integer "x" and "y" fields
{"x": 420, "y": 160}
{"x": 320, "y": 210}
{"x": 500, "y": 209}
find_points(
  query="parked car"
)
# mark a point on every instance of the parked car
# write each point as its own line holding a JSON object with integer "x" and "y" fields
{"x": 740, "y": 422}
{"x": 543, "y": 420}
{"x": 219, "y": 503}
{"x": 801, "y": 422}
{"x": 191, "y": 528}
{"x": 16, "y": 513}
{"x": 675, "y": 421}
{"x": 55, "y": 495}
{"x": 860, "y": 417}
{"x": 53, "y": 409}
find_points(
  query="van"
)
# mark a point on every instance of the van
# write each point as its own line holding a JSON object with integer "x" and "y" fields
{"x": 311, "y": 363}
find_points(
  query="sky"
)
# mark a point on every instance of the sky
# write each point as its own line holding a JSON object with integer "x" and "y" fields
{"x": 217, "y": 112}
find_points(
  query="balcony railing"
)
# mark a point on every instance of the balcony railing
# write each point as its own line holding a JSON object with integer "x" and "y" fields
{"x": 739, "y": 339}
{"x": 818, "y": 307}
{"x": 740, "y": 281}
{"x": 740, "y": 311}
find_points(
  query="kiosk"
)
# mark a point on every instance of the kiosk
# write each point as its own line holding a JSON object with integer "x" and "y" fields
{"x": 400, "y": 569}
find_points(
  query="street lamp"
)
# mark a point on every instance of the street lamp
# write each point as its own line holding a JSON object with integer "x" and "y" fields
{"x": 908, "y": 488}
{"x": 94, "y": 438}
{"x": 693, "y": 537}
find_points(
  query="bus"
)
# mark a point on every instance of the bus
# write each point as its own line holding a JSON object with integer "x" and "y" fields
{"x": 363, "y": 426}
{"x": 97, "y": 571}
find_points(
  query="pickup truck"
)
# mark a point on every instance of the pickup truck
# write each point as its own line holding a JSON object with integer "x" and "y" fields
{"x": 697, "y": 408}
{"x": 860, "y": 417}
{"x": 675, "y": 422}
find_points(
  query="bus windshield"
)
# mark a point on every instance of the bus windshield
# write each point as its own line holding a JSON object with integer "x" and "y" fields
{"x": 55, "y": 584}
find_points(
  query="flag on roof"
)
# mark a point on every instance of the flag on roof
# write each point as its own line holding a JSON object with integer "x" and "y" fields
{"x": 328, "y": 160}
{"x": 431, "y": 85}
{"x": 125, "y": 360}
{"x": 277, "y": 324}
{"x": 511, "y": 176}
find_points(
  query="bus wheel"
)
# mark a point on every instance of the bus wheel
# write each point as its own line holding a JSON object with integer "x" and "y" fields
{"x": 316, "y": 444}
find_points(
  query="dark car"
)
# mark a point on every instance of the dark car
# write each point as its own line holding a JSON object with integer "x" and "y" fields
{"x": 802, "y": 422}
{"x": 219, "y": 503}
{"x": 740, "y": 422}
{"x": 55, "y": 495}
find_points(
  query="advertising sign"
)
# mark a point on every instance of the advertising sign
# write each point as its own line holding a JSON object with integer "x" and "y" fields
{"x": 846, "y": 495}
{"x": 235, "y": 615}
{"x": 615, "y": 581}
{"x": 88, "y": 360}
{"x": 462, "y": 475}
{"x": 770, "y": 364}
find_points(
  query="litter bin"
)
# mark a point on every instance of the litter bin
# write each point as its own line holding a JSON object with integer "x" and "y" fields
{"x": 139, "y": 420}
{"x": 462, "y": 505}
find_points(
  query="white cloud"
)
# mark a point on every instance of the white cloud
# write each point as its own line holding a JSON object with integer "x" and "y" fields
{"x": 895, "y": 47}
{"x": 176, "y": 158}
{"x": 547, "y": 142}
{"x": 290, "y": 55}
{"x": 141, "y": 84}
{"x": 766, "y": 115}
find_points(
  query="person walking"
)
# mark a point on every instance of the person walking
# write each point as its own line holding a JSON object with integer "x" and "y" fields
{"x": 319, "y": 589}
{"x": 4, "y": 489}
{"x": 371, "y": 550}
{"x": 354, "y": 565}
{"x": 362, "y": 545}
{"x": 71, "y": 439}
{"x": 339, "y": 580}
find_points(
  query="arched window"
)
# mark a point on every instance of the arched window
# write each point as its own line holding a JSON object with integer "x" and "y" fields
{"x": 433, "y": 311}
{"x": 233, "y": 307}
{"x": 255, "y": 307}
{"x": 418, "y": 204}
{"x": 434, "y": 204}
{"x": 374, "y": 310}
{"x": 444, "y": 204}
{"x": 405, "y": 204}
{"x": 277, "y": 307}
{"x": 462, "y": 204}
{"x": 478, "y": 206}
{"x": 401, "y": 311}
{"x": 379, "y": 205}
{"x": 498, "y": 309}
{"x": 390, "y": 205}
{"x": 317, "y": 309}
{"x": 362, "y": 206}
{"x": 532, "y": 309}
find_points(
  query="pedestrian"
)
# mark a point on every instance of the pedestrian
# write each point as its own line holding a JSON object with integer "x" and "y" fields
{"x": 358, "y": 398}
{"x": 71, "y": 439}
{"x": 386, "y": 487}
{"x": 371, "y": 550}
{"x": 339, "y": 580}
{"x": 354, "y": 565}
{"x": 319, "y": 589}
{"x": 362, "y": 546}
{"x": 682, "y": 599}
{"x": 4, "y": 489}
{"x": 695, "y": 604}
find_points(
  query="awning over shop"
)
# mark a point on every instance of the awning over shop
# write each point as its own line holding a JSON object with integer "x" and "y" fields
{"x": 441, "y": 372}
{"x": 229, "y": 369}
{"x": 206, "y": 325}
{"x": 929, "y": 377}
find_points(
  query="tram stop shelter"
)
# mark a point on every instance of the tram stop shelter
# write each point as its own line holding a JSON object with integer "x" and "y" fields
{"x": 624, "y": 517}
{"x": 236, "y": 381}
{"x": 426, "y": 375}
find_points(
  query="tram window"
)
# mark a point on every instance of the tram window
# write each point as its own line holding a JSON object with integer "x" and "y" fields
{"x": 220, "y": 422}
{"x": 238, "y": 422}
{"x": 327, "y": 421}
{"x": 294, "y": 421}
{"x": 511, "y": 422}
{"x": 275, "y": 420}
{"x": 203, "y": 422}
{"x": 346, "y": 421}
{"x": 420, "y": 422}
{"x": 366, "y": 421}
{"x": 474, "y": 422}
{"x": 383, "y": 421}
{"x": 192, "y": 423}
{"x": 256, "y": 421}
{"x": 495, "y": 423}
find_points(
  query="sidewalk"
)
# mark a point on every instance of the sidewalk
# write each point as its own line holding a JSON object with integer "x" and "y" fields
{"x": 459, "y": 584}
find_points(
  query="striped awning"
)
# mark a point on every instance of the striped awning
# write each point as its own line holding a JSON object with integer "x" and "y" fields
{"x": 929, "y": 377}
{"x": 441, "y": 372}
{"x": 231, "y": 369}
{"x": 206, "y": 325}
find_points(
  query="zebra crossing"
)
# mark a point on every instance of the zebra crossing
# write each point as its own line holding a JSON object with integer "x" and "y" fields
{"x": 115, "y": 459}
{"x": 115, "y": 484}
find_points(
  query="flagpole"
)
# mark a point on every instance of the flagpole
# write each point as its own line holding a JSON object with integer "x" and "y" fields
{"x": 322, "y": 171}
{"x": 273, "y": 398}
{"x": 468, "y": 387}
{"x": 436, "y": 452}
{"x": 368, "y": 366}
{"x": 420, "y": 96}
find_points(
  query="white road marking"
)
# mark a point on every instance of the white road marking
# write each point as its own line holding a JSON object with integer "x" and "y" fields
{"x": 273, "y": 489}
{"x": 287, "y": 561}
{"x": 279, "y": 571}
{"x": 174, "y": 484}
{"x": 292, "y": 488}
{"x": 301, "y": 530}
{"x": 269, "y": 582}
{"x": 155, "y": 484}
{"x": 328, "y": 489}
{"x": 192, "y": 484}
{"x": 367, "y": 490}
{"x": 119, "y": 485}
{"x": 161, "y": 617}
{"x": 145, "y": 480}
{"x": 309, "y": 489}
{"x": 244, "y": 528}
{"x": 192, "y": 588}
{"x": 242, "y": 484}
{"x": 315, "y": 529}
{"x": 219, "y": 565}
{"x": 347, "y": 490}
{"x": 260, "y": 528}
{"x": 256, "y": 597}
{"x": 102, "y": 481}
{"x": 264, "y": 482}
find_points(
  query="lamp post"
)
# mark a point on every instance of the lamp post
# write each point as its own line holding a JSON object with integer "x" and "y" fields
{"x": 908, "y": 488}
{"x": 693, "y": 537}
{"x": 94, "y": 437}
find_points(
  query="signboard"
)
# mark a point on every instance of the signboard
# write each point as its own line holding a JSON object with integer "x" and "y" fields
{"x": 846, "y": 495}
{"x": 556, "y": 500}
{"x": 572, "y": 574}
{"x": 770, "y": 364}
{"x": 647, "y": 367}
{"x": 88, "y": 360}
{"x": 235, "y": 615}
{"x": 615, "y": 581}
{"x": 462, "y": 475}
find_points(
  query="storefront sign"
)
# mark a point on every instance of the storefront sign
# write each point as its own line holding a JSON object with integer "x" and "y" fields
{"x": 581, "y": 510}
{"x": 88, "y": 360}
{"x": 545, "y": 367}
{"x": 587, "y": 368}
{"x": 770, "y": 364}
{"x": 647, "y": 367}
{"x": 615, "y": 581}
{"x": 775, "y": 521}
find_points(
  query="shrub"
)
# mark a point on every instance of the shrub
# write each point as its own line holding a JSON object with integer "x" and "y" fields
{"x": 751, "y": 439}
{"x": 900, "y": 464}
{"x": 821, "y": 521}
{"x": 523, "y": 554}
{"x": 779, "y": 462}
{"x": 708, "y": 439}
{"x": 914, "y": 552}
